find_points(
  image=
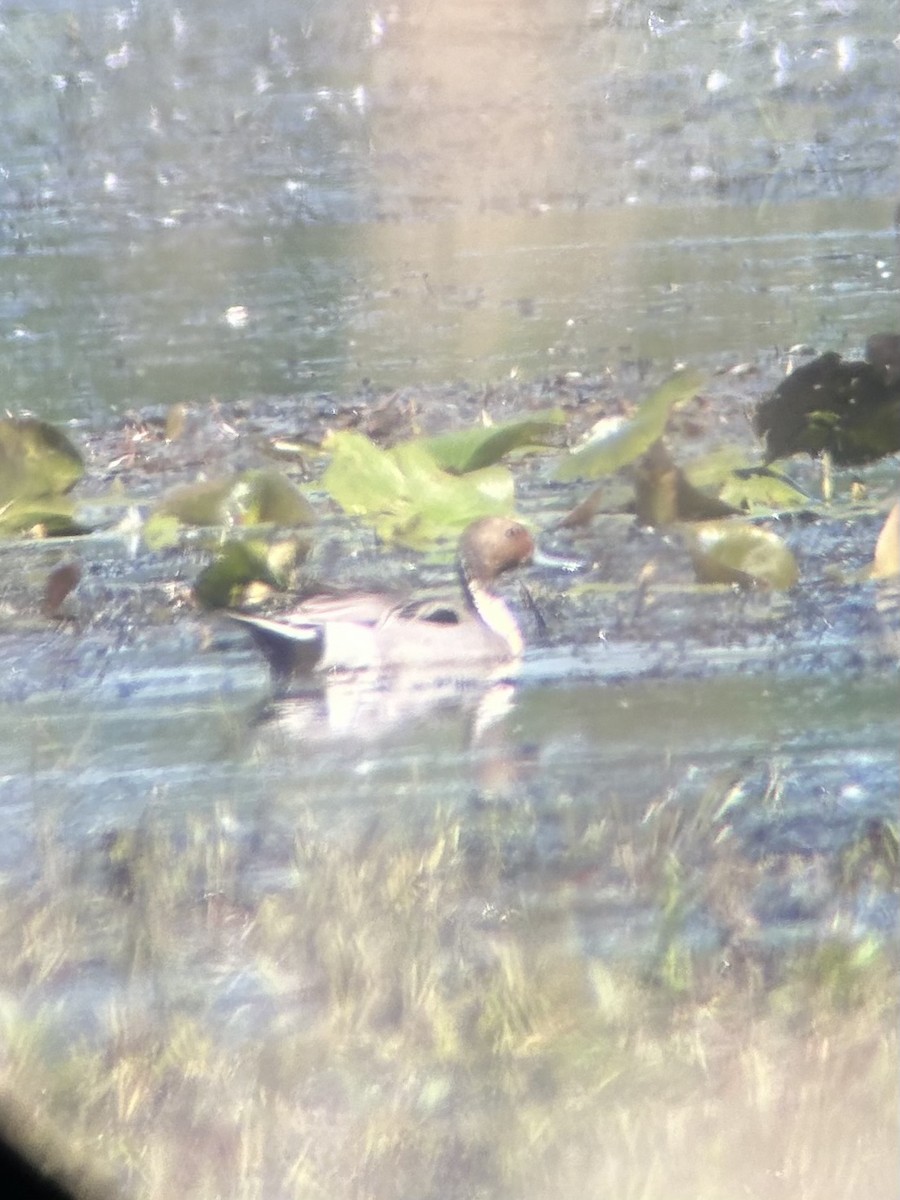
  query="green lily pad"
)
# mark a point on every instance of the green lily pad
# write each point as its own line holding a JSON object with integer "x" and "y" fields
{"x": 268, "y": 497}
{"x": 739, "y": 482}
{"x": 42, "y": 516}
{"x": 631, "y": 439}
{"x": 36, "y": 459}
{"x": 238, "y": 563}
{"x": 472, "y": 449}
{"x": 252, "y": 498}
{"x": 405, "y": 495}
{"x": 160, "y": 531}
{"x": 736, "y": 553}
{"x": 203, "y": 503}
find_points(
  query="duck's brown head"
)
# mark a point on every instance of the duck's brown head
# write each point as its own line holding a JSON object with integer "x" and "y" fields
{"x": 492, "y": 545}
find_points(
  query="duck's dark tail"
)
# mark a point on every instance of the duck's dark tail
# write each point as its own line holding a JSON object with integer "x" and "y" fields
{"x": 290, "y": 648}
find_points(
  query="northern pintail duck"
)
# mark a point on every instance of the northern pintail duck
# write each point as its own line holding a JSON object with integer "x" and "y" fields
{"x": 374, "y": 630}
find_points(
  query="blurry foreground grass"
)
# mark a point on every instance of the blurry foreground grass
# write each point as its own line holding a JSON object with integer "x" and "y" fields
{"x": 403, "y": 1016}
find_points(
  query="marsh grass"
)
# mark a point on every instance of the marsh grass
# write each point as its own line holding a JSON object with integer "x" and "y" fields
{"x": 414, "y": 1013}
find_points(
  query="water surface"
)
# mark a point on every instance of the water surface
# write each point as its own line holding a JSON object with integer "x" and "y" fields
{"x": 231, "y": 203}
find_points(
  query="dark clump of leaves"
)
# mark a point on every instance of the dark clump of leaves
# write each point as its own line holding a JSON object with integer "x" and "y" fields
{"x": 883, "y": 352}
{"x": 847, "y": 409}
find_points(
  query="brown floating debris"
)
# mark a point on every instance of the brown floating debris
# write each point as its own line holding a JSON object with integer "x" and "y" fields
{"x": 61, "y": 580}
{"x": 663, "y": 493}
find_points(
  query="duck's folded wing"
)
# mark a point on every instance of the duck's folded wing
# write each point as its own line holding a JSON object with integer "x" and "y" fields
{"x": 438, "y": 611}
{"x": 365, "y": 608}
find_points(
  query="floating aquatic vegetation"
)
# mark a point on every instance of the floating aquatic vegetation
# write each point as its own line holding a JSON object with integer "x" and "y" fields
{"x": 239, "y": 563}
{"x": 737, "y": 553}
{"x": 664, "y": 494}
{"x": 471, "y": 449}
{"x": 251, "y": 498}
{"x": 406, "y": 495}
{"x": 846, "y": 409}
{"x": 38, "y": 466}
{"x": 632, "y": 438}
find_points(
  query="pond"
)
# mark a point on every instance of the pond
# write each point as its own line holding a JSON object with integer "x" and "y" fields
{"x": 448, "y": 938}
{"x": 271, "y": 200}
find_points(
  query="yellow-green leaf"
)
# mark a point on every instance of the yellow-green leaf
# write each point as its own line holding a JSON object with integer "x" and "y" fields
{"x": 268, "y": 497}
{"x": 252, "y": 498}
{"x": 43, "y": 516}
{"x": 36, "y": 459}
{"x": 203, "y": 503}
{"x": 631, "y": 439}
{"x": 471, "y": 449}
{"x": 405, "y": 495}
{"x": 360, "y": 476}
{"x": 221, "y": 584}
{"x": 160, "y": 531}
{"x": 740, "y": 482}
{"x": 738, "y": 553}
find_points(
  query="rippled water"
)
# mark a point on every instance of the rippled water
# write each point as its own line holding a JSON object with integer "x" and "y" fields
{"x": 229, "y": 201}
